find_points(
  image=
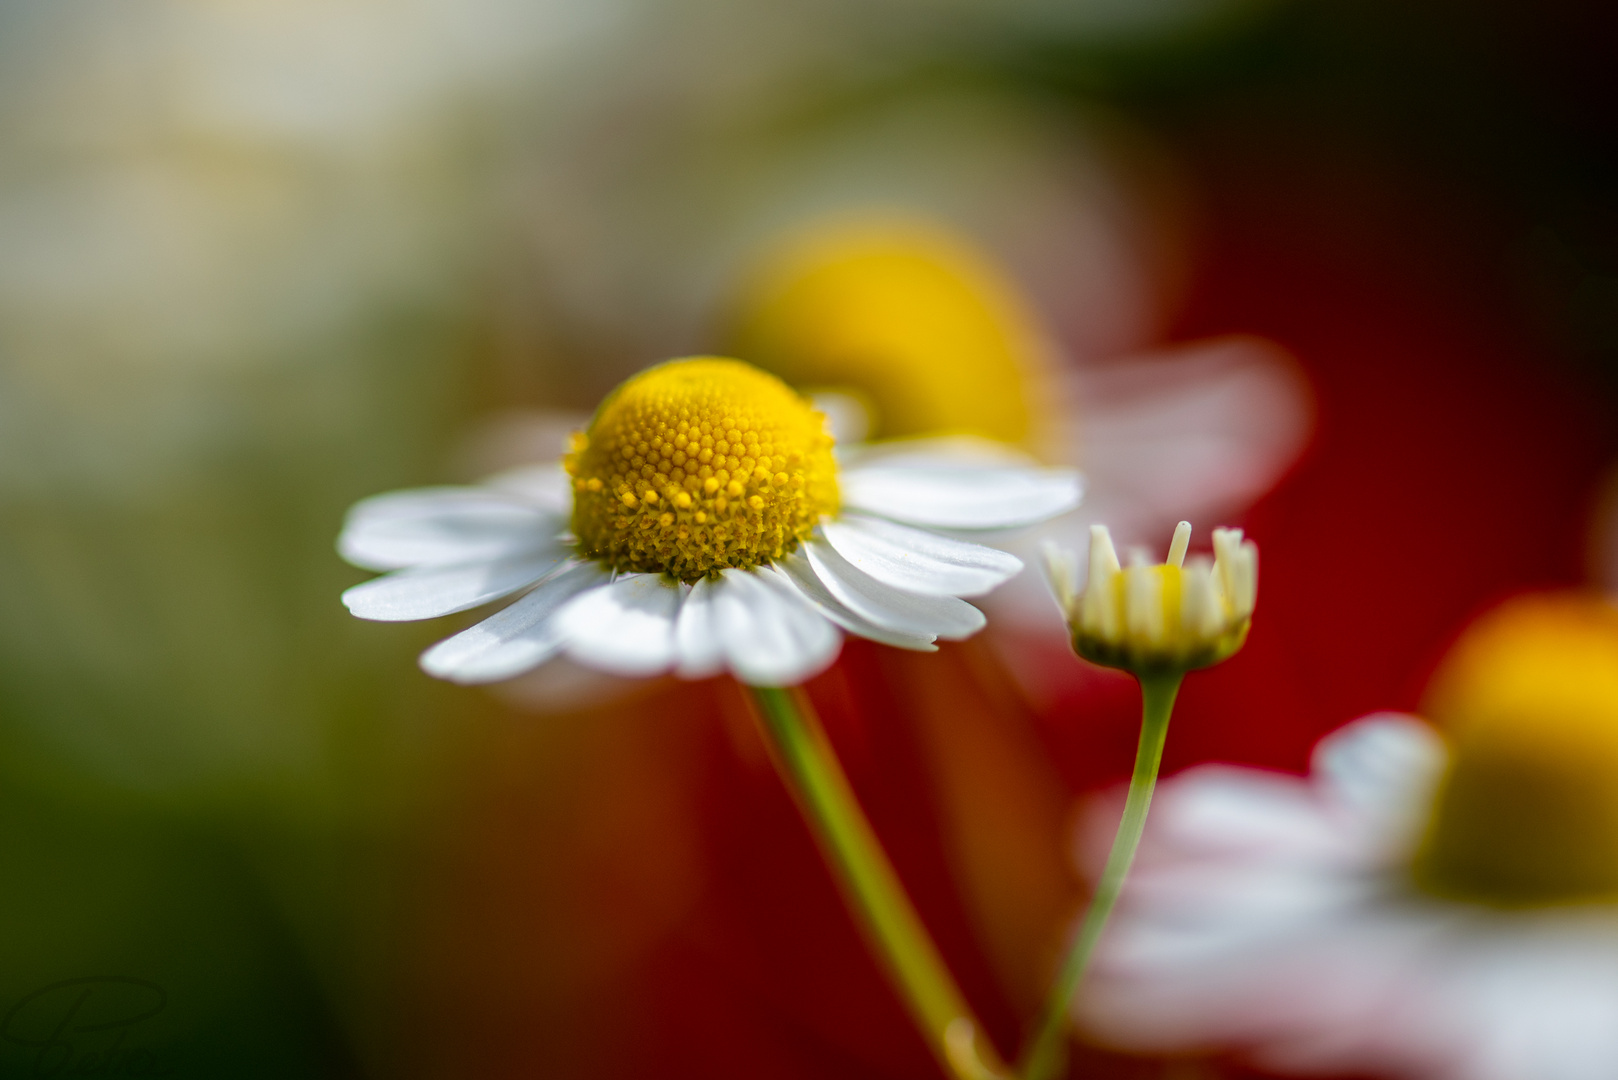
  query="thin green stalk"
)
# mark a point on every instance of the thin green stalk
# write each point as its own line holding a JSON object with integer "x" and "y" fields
{"x": 871, "y": 888}
{"x": 1047, "y": 1051}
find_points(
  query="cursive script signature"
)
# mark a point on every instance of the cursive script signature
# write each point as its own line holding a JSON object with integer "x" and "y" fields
{"x": 87, "y": 1027}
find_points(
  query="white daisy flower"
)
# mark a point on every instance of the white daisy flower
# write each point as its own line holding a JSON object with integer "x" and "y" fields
{"x": 702, "y": 523}
{"x": 1418, "y": 906}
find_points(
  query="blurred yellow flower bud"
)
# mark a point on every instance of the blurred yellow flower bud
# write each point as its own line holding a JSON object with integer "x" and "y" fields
{"x": 1166, "y": 618}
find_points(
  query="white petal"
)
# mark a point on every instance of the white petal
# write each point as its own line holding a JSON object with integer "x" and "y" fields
{"x": 948, "y": 496}
{"x": 1383, "y": 769}
{"x": 515, "y": 638}
{"x": 696, "y": 635}
{"x": 626, "y": 627}
{"x": 962, "y": 451}
{"x": 796, "y": 568}
{"x": 547, "y": 486}
{"x": 771, "y": 634}
{"x": 909, "y": 613}
{"x": 919, "y": 561}
{"x": 430, "y": 591}
{"x": 441, "y": 527}
{"x": 1194, "y": 432}
{"x": 847, "y": 417}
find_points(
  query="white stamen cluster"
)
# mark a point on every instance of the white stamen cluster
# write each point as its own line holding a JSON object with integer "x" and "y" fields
{"x": 1174, "y": 616}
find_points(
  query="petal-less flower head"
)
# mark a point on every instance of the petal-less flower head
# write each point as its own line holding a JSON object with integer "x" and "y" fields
{"x": 704, "y": 524}
{"x": 1178, "y": 615}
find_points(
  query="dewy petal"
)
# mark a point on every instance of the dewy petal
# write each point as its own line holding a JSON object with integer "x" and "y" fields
{"x": 918, "y": 561}
{"x": 910, "y": 613}
{"x": 442, "y": 527}
{"x": 696, "y": 635}
{"x": 796, "y": 569}
{"x": 771, "y": 634}
{"x": 515, "y": 638}
{"x": 626, "y": 627}
{"x": 947, "y": 496}
{"x": 430, "y": 591}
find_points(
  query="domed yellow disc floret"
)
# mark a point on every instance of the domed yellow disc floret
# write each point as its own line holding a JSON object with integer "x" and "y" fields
{"x": 1528, "y": 812}
{"x": 697, "y": 466}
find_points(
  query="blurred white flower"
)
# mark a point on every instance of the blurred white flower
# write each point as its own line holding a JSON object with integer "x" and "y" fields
{"x": 1275, "y": 915}
{"x": 1415, "y": 908}
{"x": 669, "y": 545}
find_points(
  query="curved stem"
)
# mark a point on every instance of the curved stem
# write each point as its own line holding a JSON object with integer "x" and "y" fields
{"x": 872, "y": 890}
{"x": 1046, "y": 1053}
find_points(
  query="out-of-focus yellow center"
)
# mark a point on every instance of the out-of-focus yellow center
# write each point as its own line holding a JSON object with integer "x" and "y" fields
{"x": 1528, "y": 812}
{"x": 699, "y": 465}
{"x": 909, "y": 316}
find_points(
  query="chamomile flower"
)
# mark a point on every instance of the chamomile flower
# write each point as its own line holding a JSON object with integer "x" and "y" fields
{"x": 704, "y": 521}
{"x": 1423, "y": 905}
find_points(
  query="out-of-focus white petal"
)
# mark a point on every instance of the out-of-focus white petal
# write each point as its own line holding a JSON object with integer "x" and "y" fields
{"x": 696, "y": 635}
{"x": 915, "y": 614}
{"x": 948, "y": 496}
{"x": 515, "y": 638}
{"x": 430, "y": 591}
{"x": 847, "y": 417}
{"x": 1194, "y": 432}
{"x": 771, "y": 634}
{"x": 1382, "y": 769}
{"x": 547, "y": 485}
{"x": 955, "y": 451}
{"x": 626, "y": 627}
{"x": 918, "y": 561}
{"x": 797, "y": 569}
{"x": 441, "y": 527}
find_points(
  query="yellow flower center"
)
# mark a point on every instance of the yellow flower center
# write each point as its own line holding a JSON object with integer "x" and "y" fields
{"x": 699, "y": 465}
{"x": 908, "y": 315}
{"x": 1528, "y": 811}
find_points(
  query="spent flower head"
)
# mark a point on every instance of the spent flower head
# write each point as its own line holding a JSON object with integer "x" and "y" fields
{"x": 1149, "y": 619}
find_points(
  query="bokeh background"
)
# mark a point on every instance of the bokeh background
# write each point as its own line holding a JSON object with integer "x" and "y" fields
{"x": 260, "y": 259}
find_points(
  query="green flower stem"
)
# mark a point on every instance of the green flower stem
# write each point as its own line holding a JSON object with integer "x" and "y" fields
{"x": 1046, "y": 1054}
{"x": 872, "y": 890}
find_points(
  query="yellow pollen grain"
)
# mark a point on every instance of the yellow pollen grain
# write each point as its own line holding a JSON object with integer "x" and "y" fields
{"x": 645, "y": 438}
